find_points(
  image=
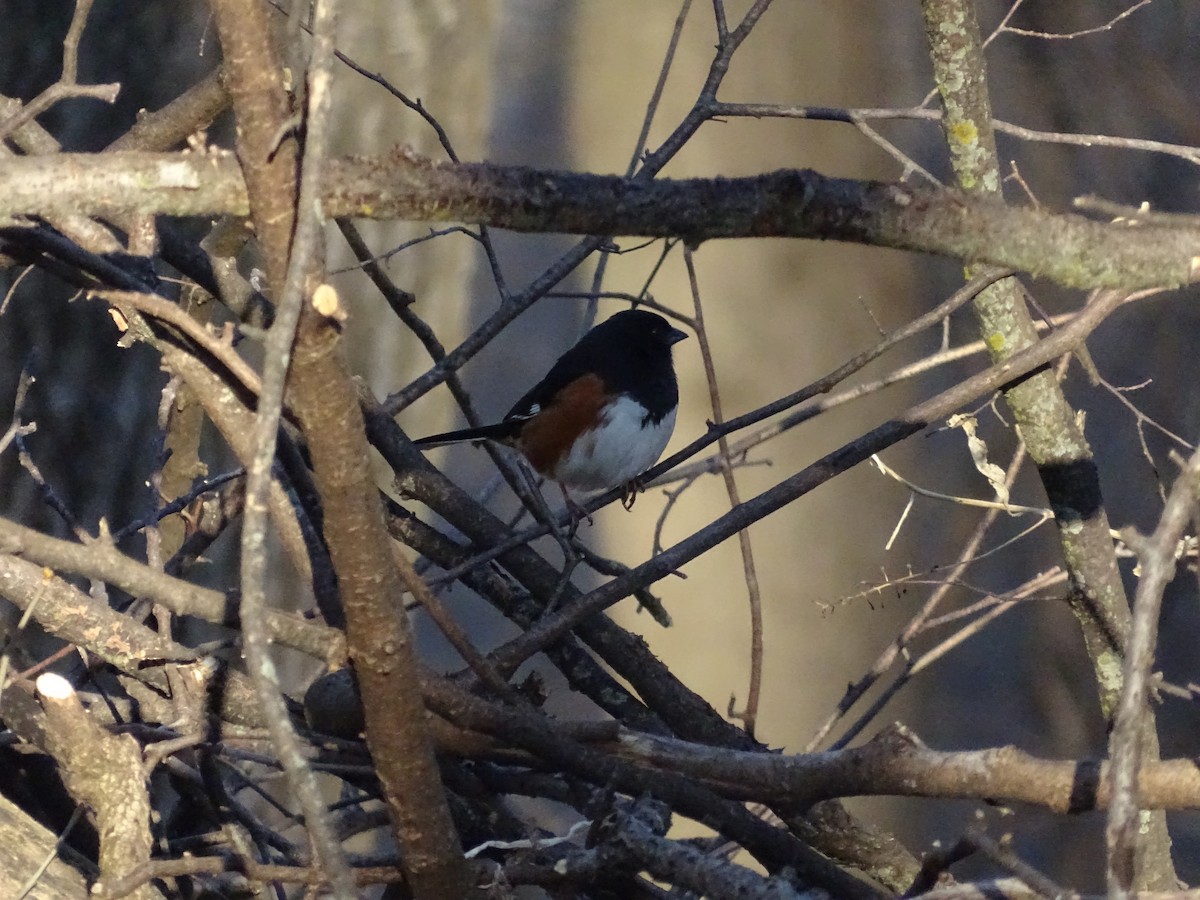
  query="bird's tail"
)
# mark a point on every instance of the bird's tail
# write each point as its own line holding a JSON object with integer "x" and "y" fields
{"x": 499, "y": 432}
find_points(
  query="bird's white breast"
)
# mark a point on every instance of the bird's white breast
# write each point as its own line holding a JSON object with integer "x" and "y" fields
{"x": 620, "y": 448}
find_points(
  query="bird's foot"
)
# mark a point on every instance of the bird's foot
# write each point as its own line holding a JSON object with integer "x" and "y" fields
{"x": 630, "y": 491}
{"x": 575, "y": 511}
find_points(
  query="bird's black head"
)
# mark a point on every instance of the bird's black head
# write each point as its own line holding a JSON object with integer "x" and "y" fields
{"x": 637, "y": 328}
{"x": 631, "y": 352}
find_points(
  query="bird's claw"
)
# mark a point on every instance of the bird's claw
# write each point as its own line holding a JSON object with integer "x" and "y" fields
{"x": 630, "y": 492}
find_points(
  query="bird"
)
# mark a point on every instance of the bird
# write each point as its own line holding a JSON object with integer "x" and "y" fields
{"x": 601, "y": 416}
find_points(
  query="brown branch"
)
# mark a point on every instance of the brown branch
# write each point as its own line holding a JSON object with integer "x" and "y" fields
{"x": 1066, "y": 248}
{"x": 70, "y": 68}
{"x": 524, "y": 728}
{"x": 637, "y": 834}
{"x": 380, "y": 641}
{"x": 325, "y": 400}
{"x": 220, "y": 347}
{"x": 33, "y": 139}
{"x": 234, "y": 420}
{"x": 454, "y": 633}
{"x": 1000, "y": 853}
{"x": 191, "y": 111}
{"x": 583, "y": 672}
{"x": 254, "y": 871}
{"x": 181, "y": 120}
{"x": 104, "y": 772}
{"x": 101, "y": 560}
{"x": 182, "y": 424}
{"x": 129, "y": 646}
{"x": 852, "y": 842}
{"x": 894, "y": 763}
{"x": 268, "y": 155}
{"x": 68, "y": 613}
{"x": 32, "y": 857}
{"x": 268, "y": 158}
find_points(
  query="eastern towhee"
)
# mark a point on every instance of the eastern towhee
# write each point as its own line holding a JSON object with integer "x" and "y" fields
{"x": 603, "y": 413}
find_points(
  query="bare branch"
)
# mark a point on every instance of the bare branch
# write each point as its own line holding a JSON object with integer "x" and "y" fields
{"x": 103, "y": 772}
{"x": 1066, "y": 248}
{"x": 749, "y": 714}
{"x": 101, "y": 560}
{"x": 896, "y": 763}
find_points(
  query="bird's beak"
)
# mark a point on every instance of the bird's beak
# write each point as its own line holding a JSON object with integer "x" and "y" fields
{"x": 674, "y": 336}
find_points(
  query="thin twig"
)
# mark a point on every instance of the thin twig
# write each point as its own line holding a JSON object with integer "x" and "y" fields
{"x": 221, "y": 348}
{"x": 858, "y": 116}
{"x": 1001, "y": 853}
{"x": 1070, "y": 35}
{"x": 1157, "y": 555}
{"x": 450, "y": 629}
{"x": 749, "y": 714}
{"x": 67, "y": 86}
{"x": 991, "y": 608}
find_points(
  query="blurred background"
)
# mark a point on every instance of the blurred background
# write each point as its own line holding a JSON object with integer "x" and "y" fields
{"x": 559, "y": 84}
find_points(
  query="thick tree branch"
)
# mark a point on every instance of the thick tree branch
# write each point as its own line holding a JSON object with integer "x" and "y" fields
{"x": 27, "y": 846}
{"x": 325, "y": 401}
{"x": 268, "y": 156}
{"x": 104, "y": 772}
{"x": 895, "y": 763}
{"x": 1066, "y": 248}
{"x": 67, "y": 612}
{"x": 188, "y": 113}
{"x": 773, "y": 847}
{"x": 130, "y": 647}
